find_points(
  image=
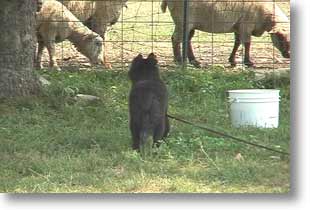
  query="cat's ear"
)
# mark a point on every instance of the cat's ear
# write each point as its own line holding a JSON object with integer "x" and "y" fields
{"x": 151, "y": 56}
{"x": 152, "y": 59}
{"x": 138, "y": 57}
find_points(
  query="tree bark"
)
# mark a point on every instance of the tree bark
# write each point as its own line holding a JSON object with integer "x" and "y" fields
{"x": 17, "y": 48}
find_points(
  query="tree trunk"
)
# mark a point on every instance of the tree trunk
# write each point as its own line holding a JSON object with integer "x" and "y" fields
{"x": 17, "y": 48}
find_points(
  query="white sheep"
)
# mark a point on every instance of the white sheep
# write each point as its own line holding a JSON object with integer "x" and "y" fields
{"x": 97, "y": 15}
{"x": 243, "y": 18}
{"x": 55, "y": 23}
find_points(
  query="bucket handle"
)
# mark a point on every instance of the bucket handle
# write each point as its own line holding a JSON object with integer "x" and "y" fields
{"x": 229, "y": 103}
{"x": 234, "y": 100}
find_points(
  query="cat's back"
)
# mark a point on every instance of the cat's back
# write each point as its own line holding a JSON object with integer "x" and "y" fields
{"x": 154, "y": 87}
{"x": 148, "y": 95}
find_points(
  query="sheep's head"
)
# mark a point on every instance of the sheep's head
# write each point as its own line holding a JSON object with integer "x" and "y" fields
{"x": 282, "y": 42}
{"x": 93, "y": 48}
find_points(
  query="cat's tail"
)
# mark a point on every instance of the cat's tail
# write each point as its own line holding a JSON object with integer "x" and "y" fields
{"x": 146, "y": 139}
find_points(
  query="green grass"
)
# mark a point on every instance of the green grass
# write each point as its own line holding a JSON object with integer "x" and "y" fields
{"x": 54, "y": 144}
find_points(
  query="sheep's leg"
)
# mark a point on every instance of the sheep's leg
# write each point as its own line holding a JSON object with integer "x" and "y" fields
{"x": 106, "y": 63}
{"x": 232, "y": 58}
{"x": 176, "y": 45}
{"x": 245, "y": 33}
{"x": 247, "y": 60}
{"x": 38, "y": 60}
{"x": 177, "y": 51}
{"x": 51, "y": 51}
{"x": 190, "y": 53}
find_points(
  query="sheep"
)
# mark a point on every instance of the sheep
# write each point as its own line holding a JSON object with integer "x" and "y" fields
{"x": 243, "y": 18}
{"x": 97, "y": 15}
{"x": 55, "y": 23}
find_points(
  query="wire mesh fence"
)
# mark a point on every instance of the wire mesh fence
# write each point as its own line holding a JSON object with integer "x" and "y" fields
{"x": 142, "y": 27}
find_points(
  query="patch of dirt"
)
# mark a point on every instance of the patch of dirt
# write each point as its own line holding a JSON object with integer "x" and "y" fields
{"x": 133, "y": 35}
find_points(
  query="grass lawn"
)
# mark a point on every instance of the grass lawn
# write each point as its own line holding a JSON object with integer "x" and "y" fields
{"x": 56, "y": 144}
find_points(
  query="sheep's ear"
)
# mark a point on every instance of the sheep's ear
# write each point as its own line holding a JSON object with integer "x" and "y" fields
{"x": 272, "y": 31}
{"x": 279, "y": 35}
{"x": 152, "y": 58}
{"x": 93, "y": 36}
{"x": 279, "y": 31}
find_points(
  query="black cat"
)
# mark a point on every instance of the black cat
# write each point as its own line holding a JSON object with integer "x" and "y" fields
{"x": 148, "y": 102}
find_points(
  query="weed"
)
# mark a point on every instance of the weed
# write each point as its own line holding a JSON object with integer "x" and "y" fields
{"x": 53, "y": 144}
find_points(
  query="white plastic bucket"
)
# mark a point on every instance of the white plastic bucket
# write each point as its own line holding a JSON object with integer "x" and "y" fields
{"x": 254, "y": 107}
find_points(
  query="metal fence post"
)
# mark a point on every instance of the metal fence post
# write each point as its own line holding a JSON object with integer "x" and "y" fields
{"x": 185, "y": 33}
